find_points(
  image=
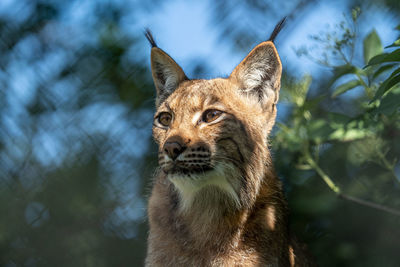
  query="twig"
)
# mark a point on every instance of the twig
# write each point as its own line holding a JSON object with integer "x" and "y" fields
{"x": 370, "y": 204}
{"x": 338, "y": 192}
{"x": 323, "y": 175}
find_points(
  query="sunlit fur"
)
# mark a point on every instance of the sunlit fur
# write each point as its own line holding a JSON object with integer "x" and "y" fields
{"x": 220, "y": 177}
{"x": 219, "y": 203}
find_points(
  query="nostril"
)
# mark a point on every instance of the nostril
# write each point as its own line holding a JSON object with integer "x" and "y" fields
{"x": 173, "y": 149}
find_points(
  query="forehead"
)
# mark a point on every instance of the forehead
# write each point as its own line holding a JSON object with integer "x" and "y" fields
{"x": 196, "y": 94}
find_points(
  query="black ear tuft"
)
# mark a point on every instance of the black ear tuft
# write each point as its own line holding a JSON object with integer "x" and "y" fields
{"x": 277, "y": 29}
{"x": 150, "y": 37}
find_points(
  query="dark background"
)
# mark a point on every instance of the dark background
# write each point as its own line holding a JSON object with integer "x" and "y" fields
{"x": 76, "y": 104}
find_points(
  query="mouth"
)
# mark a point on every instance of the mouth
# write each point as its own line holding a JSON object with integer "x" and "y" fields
{"x": 182, "y": 171}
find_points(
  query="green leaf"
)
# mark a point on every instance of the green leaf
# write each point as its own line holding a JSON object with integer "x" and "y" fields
{"x": 382, "y": 70}
{"x": 344, "y": 135}
{"x": 388, "y": 84}
{"x": 355, "y": 12}
{"x": 385, "y": 57}
{"x": 372, "y": 46}
{"x": 365, "y": 150}
{"x": 318, "y": 130}
{"x": 343, "y": 70}
{"x": 395, "y": 44}
{"x": 339, "y": 71}
{"x": 337, "y": 120}
{"x": 389, "y": 104}
{"x": 346, "y": 87}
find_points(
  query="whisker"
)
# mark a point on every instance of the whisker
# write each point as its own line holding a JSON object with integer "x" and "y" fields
{"x": 236, "y": 162}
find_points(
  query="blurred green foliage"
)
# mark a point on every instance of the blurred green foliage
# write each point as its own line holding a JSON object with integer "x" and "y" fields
{"x": 352, "y": 146}
{"x": 73, "y": 105}
{"x": 76, "y": 160}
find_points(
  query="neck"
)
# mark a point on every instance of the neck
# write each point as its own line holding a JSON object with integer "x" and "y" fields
{"x": 221, "y": 226}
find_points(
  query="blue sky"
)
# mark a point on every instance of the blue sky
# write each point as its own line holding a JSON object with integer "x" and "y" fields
{"x": 184, "y": 29}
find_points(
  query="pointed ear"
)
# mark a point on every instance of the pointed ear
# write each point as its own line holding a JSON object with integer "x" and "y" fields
{"x": 167, "y": 74}
{"x": 259, "y": 74}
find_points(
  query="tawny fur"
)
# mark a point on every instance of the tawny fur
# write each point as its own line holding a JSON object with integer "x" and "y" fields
{"x": 234, "y": 212}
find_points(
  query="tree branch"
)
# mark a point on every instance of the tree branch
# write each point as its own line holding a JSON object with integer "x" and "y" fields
{"x": 338, "y": 192}
{"x": 370, "y": 204}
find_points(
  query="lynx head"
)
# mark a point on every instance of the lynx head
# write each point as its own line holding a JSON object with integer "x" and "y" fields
{"x": 212, "y": 134}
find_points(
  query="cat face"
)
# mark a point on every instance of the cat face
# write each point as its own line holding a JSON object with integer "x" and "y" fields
{"x": 213, "y": 133}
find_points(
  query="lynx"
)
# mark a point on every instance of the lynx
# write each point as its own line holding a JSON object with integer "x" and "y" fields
{"x": 216, "y": 200}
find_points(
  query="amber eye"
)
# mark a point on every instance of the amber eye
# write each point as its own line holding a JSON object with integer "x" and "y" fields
{"x": 211, "y": 115}
{"x": 164, "y": 119}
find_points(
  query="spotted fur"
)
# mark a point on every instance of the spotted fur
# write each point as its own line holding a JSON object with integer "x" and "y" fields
{"x": 216, "y": 200}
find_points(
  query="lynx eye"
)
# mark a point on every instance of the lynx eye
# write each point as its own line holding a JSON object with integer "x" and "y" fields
{"x": 164, "y": 119}
{"x": 211, "y": 115}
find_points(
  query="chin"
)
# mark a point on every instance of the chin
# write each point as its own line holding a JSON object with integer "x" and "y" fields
{"x": 207, "y": 186}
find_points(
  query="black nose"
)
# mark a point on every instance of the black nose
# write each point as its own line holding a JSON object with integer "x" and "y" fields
{"x": 173, "y": 149}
